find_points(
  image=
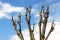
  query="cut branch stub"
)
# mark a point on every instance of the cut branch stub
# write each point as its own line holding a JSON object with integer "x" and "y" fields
{"x": 12, "y": 18}
{"x": 43, "y": 8}
{"x": 19, "y": 18}
{"x": 52, "y": 27}
{"x": 14, "y": 23}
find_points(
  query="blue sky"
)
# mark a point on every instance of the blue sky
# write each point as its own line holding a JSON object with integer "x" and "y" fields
{"x": 7, "y": 7}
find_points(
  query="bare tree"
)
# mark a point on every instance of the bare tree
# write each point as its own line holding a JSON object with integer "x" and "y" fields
{"x": 42, "y": 30}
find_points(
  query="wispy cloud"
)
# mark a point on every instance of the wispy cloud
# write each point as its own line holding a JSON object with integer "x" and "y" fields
{"x": 7, "y": 8}
{"x": 54, "y": 11}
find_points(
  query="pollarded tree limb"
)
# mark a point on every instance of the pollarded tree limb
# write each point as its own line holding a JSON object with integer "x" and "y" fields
{"x": 19, "y": 21}
{"x": 40, "y": 22}
{"x": 46, "y": 15}
{"x": 14, "y": 23}
{"x": 28, "y": 22}
{"x": 19, "y": 32}
{"x": 28, "y": 18}
{"x": 51, "y": 29}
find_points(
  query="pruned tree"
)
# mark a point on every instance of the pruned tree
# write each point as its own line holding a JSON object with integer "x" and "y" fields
{"x": 42, "y": 31}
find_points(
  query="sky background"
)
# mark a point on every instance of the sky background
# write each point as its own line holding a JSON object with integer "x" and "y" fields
{"x": 7, "y": 7}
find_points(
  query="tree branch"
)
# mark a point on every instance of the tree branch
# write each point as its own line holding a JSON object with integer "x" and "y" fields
{"x": 51, "y": 29}
{"x": 28, "y": 17}
{"x": 19, "y": 33}
{"x": 46, "y": 15}
{"x": 40, "y": 24}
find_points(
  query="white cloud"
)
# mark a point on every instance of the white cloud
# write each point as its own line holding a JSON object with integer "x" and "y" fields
{"x": 34, "y": 10}
{"x": 1, "y": 15}
{"x": 7, "y": 8}
{"x": 14, "y": 37}
{"x": 53, "y": 36}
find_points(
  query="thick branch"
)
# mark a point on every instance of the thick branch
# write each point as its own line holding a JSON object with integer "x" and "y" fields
{"x": 28, "y": 17}
{"x": 46, "y": 15}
